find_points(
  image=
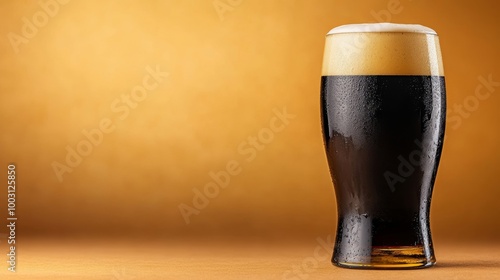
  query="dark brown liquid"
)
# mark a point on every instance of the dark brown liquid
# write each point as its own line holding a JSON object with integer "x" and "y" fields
{"x": 383, "y": 138}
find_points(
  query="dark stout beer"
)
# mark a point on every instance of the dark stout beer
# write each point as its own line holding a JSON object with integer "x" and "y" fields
{"x": 383, "y": 113}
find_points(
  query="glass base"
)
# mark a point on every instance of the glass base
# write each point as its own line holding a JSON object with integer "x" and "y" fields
{"x": 398, "y": 257}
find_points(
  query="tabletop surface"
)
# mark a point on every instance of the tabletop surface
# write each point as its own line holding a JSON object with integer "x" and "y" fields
{"x": 122, "y": 260}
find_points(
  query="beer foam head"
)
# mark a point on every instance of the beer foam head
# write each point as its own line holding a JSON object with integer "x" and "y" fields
{"x": 382, "y": 27}
{"x": 382, "y": 49}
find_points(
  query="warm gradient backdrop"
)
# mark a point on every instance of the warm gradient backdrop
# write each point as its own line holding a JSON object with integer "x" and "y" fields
{"x": 232, "y": 65}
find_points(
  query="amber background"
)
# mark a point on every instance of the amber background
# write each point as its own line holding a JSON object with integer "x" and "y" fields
{"x": 225, "y": 79}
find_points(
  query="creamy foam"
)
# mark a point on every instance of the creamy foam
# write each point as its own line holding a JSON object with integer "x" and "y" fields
{"x": 382, "y": 27}
{"x": 382, "y": 49}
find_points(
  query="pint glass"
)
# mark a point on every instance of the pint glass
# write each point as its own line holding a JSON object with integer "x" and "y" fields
{"x": 383, "y": 106}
